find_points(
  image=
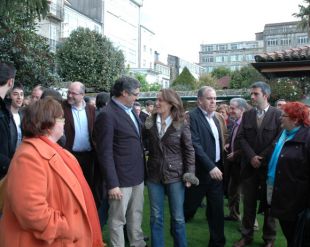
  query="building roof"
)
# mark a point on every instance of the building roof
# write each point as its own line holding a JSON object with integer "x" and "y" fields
{"x": 294, "y": 62}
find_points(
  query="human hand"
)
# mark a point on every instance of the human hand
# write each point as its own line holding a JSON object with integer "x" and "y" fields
{"x": 256, "y": 161}
{"x": 115, "y": 193}
{"x": 216, "y": 174}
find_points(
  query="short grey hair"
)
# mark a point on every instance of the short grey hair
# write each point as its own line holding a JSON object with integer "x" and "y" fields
{"x": 241, "y": 103}
{"x": 202, "y": 90}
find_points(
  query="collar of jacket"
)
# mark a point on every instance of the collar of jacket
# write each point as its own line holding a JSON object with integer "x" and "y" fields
{"x": 151, "y": 121}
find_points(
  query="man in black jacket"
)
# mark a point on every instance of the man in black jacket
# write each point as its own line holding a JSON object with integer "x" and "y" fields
{"x": 7, "y": 76}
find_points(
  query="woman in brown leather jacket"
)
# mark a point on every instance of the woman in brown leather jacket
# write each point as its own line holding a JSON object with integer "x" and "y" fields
{"x": 170, "y": 166}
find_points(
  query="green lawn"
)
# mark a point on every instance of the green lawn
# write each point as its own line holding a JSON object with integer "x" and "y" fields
{"x": 197, "y": 229}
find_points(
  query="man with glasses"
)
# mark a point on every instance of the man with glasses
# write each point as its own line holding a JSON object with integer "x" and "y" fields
{"x": 208, "y": 130}
{"x": 120, "y": 155}
{"x": 79, "y": 124}
{"x": 258, "y": 130}
{"x": 7, "y": 76}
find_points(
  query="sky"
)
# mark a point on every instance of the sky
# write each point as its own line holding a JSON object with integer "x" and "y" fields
{"x": 181, "y": 26}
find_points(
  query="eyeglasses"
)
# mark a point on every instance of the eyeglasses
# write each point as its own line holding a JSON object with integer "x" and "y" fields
{"x": 73, "y": 93}
{"x": 60, "y": 120}
{"x": 134, "y": 94}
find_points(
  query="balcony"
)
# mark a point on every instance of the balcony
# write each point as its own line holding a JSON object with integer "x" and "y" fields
{"x": 56, "y": 11}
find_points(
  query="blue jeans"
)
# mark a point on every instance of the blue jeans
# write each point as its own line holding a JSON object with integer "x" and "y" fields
{"x": 175, "y": 193}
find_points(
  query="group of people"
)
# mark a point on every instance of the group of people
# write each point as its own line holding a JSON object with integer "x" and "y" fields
{"x": 78, "y": 166}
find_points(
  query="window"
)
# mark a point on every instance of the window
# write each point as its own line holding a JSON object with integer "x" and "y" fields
{"x": 208, "y": 59}
{"x": 249, "y": 57}
{"x": 302, "y": 39}
{"x": 209, "y": 48}
{"x": 285, "y": 41}
{"x": 272, "y": 42}
{"x": 233, "y": 58}
{"x": 234, "y": 46}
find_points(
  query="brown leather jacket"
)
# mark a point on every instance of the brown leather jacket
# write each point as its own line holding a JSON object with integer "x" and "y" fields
{"x": 172, "y": 155}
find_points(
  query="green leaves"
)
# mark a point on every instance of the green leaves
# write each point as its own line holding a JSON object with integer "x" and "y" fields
{"x": 88, "y": 57}
{"x": 185, "y": 81}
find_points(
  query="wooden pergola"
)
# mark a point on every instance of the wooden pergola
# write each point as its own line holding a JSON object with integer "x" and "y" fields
{"x": 288, "y": 63}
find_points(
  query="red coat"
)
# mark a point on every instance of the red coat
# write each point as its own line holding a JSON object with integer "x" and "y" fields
{"x": 44, "y": 203}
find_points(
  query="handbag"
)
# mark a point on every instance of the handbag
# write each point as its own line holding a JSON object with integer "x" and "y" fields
{"x": 302, "y": 231}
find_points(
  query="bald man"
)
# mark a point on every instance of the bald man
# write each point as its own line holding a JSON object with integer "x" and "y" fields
{"x": 80, "y": 119}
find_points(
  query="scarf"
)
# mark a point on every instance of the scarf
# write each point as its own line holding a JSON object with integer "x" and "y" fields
{"x": 88, "y": 196}
{"x": 285, "y": 136}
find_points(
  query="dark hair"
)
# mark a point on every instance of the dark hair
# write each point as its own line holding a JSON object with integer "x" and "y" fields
{"x": 49, "y": 92}
{"x": 40, "y": 117}
{"x": 125, "y": 83}
{"x": 102, "y": 99}
{"x": 266, "y": 90}
{"x": 149, "y": 102}
{"x": 18, "y": 85}
{"x": 7, "y": 71}
{"x": 171, "y": 97}
{"x": 297, "y": 111}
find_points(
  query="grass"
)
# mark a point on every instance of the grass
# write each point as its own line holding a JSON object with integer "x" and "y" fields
{"x": 198, "y": 232}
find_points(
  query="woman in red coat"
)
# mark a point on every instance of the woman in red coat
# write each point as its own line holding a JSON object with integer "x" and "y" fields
{"x": 47, "y": 200}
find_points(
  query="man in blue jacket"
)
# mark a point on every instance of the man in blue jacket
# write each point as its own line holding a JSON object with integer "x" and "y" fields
{"x": 120, "y": 155}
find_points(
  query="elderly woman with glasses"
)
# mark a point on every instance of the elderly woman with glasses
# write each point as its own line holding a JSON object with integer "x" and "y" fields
{"x": 288, "y": 178}
{"x": 47, "y": 201}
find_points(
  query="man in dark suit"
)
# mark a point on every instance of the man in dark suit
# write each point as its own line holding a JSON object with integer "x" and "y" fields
{"x": 258, "y": 130}
{"x": 7, "y": 77}
{"x": 120, "y": 155}
{"x": 208, "y": 130}
{"x": 237, "y": 107}
{"x": 80, "y": 119}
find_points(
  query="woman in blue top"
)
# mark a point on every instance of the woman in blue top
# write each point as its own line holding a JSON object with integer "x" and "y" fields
{"x": 288, "y": 179}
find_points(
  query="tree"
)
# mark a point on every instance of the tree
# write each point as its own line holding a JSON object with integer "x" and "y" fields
{"x": 304, "y": 15}
{"x": 185, "y": 81}
{"x": 207, "y": 80}
{"x": 35, "y": 8}
{"x": 220, "y": 72}
{"x": 285, "y": 88}
{"x": 142, "y": 79}
{"x": 88, "y": 57}
{"x": 28, "y": 51}
{"x": 244, "y": 77}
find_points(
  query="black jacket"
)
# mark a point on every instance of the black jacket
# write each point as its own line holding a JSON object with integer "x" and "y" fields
{"x": 6, "y": 152}
{"x": 291, "y": 192}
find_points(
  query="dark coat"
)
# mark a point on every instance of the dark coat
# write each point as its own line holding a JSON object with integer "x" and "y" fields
{"x": 6, "y": 152}
{"x": 172, "y": 155}
{"x": 257, "y": 141}
{"x": 119, "y": 147}
{"x": 204, "y": 142}
{"x": 291, "y": 192}
{"x": 69, "y": 124}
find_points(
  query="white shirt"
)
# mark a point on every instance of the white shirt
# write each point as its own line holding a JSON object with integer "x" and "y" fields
{"x": 215, "y": 133}
{"x": 17, "y": 121}
{"x": 168, "y": 122}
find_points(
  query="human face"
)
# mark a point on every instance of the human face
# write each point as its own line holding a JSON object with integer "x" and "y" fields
{"x": 74, "y": 94}
{"x": 235, "y": 112}
{"x": 162, "y": 106}
{"x": 258, "y": 98}
{"x": 58, "y": 130}
{"x": 36, "y": 94}
{"x": 137, "y": 109}
{"x": 287, "y": 123}
{"x": 223, "y": 113}
{"x": 17, "y": 96}
{"x": 208, "y": 101}
{"x": 129, "y": 98}
{"x": 280, "y": 104}
{"x": 150, "y": 108}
